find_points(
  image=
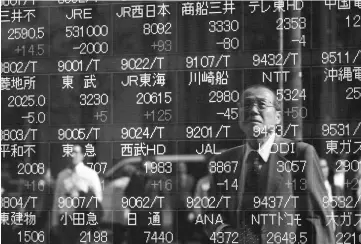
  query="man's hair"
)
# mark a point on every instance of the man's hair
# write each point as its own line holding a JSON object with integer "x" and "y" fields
{"x": 276, "y": 103}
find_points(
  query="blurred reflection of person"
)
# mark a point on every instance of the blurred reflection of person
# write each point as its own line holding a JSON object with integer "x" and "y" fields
{"x": 144, "y": 184}
{"x": 74, "y": 181}
{"x": 326, "y": 171}
{"x": 202, "y": 192}
{"x": 185, "y": 183}
{"x": 340, "y": 192}
{"x": 353, "y": 191}
{"x": 44, "y": 204}
{"x": 11, "y": 236}
{"x": 339, "y": 176}
{"x": 5, "y": 177}
{"x": 114, "y": 212}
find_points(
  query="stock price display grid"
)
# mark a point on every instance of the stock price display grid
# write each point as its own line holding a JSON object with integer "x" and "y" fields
{"x": 147, "y": 95}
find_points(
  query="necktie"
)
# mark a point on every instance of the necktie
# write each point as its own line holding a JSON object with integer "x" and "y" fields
{"x": 252, "y": 180}
{"x": 251, "y": 233}
{"x": 256, "y": 161}
{"x": 254, "y": 164}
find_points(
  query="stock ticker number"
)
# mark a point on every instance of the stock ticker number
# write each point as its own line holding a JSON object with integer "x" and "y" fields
{"x": 26, "y": 33}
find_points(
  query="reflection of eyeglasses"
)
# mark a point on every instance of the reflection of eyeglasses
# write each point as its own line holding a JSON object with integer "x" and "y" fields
{"x": 261, "y": 105}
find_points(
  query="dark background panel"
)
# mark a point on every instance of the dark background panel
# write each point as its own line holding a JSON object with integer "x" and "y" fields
{"x": 65, "y": 100}
{"x": 61, "y": 17}
{"x": 131, "y": 34}
{"x": 266, "y": 36}
{"x": 331, "y": 26}
{"x": 335, "y": 99}
{"x": 120, "y": 150}
{"x": 207, "y": 93}
{"x": 10, "y": 41}
{"x": 197, "y": 34}
{"x": 151, "y": 98}
{"x": 21, "y": 86}
{"x": 30, "y": 153}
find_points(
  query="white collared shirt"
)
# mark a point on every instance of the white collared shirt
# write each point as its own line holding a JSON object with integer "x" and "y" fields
{"x": 328, "y": 189}
{"x": 339, "y": 180}
{"x": 264, "y": 151}
{"x": 329, "y": 195}
{"x": 82, "y": 178}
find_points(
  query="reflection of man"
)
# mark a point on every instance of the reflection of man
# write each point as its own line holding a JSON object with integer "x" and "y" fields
{"x": 339, "y": 176}
{"x": 145, "y": 184}
{"x": 325, "y": 172}
{"x": 72, "y": 182}
{"x": 185, "y": 184}
{"x": 352, "y": 168}
{"x": 261, "y": 184}
{"x": 116, "y": 191}
{"x": 201, "y": 192}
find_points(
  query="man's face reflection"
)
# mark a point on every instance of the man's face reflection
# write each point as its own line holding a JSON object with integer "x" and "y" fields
{"x": 77, "y": 155}
{"x": 257, "y": 110}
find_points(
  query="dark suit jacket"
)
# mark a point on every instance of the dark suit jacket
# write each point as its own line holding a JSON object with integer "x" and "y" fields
{"x": 309, "y": 206}
{"x": 140, "y": 185}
